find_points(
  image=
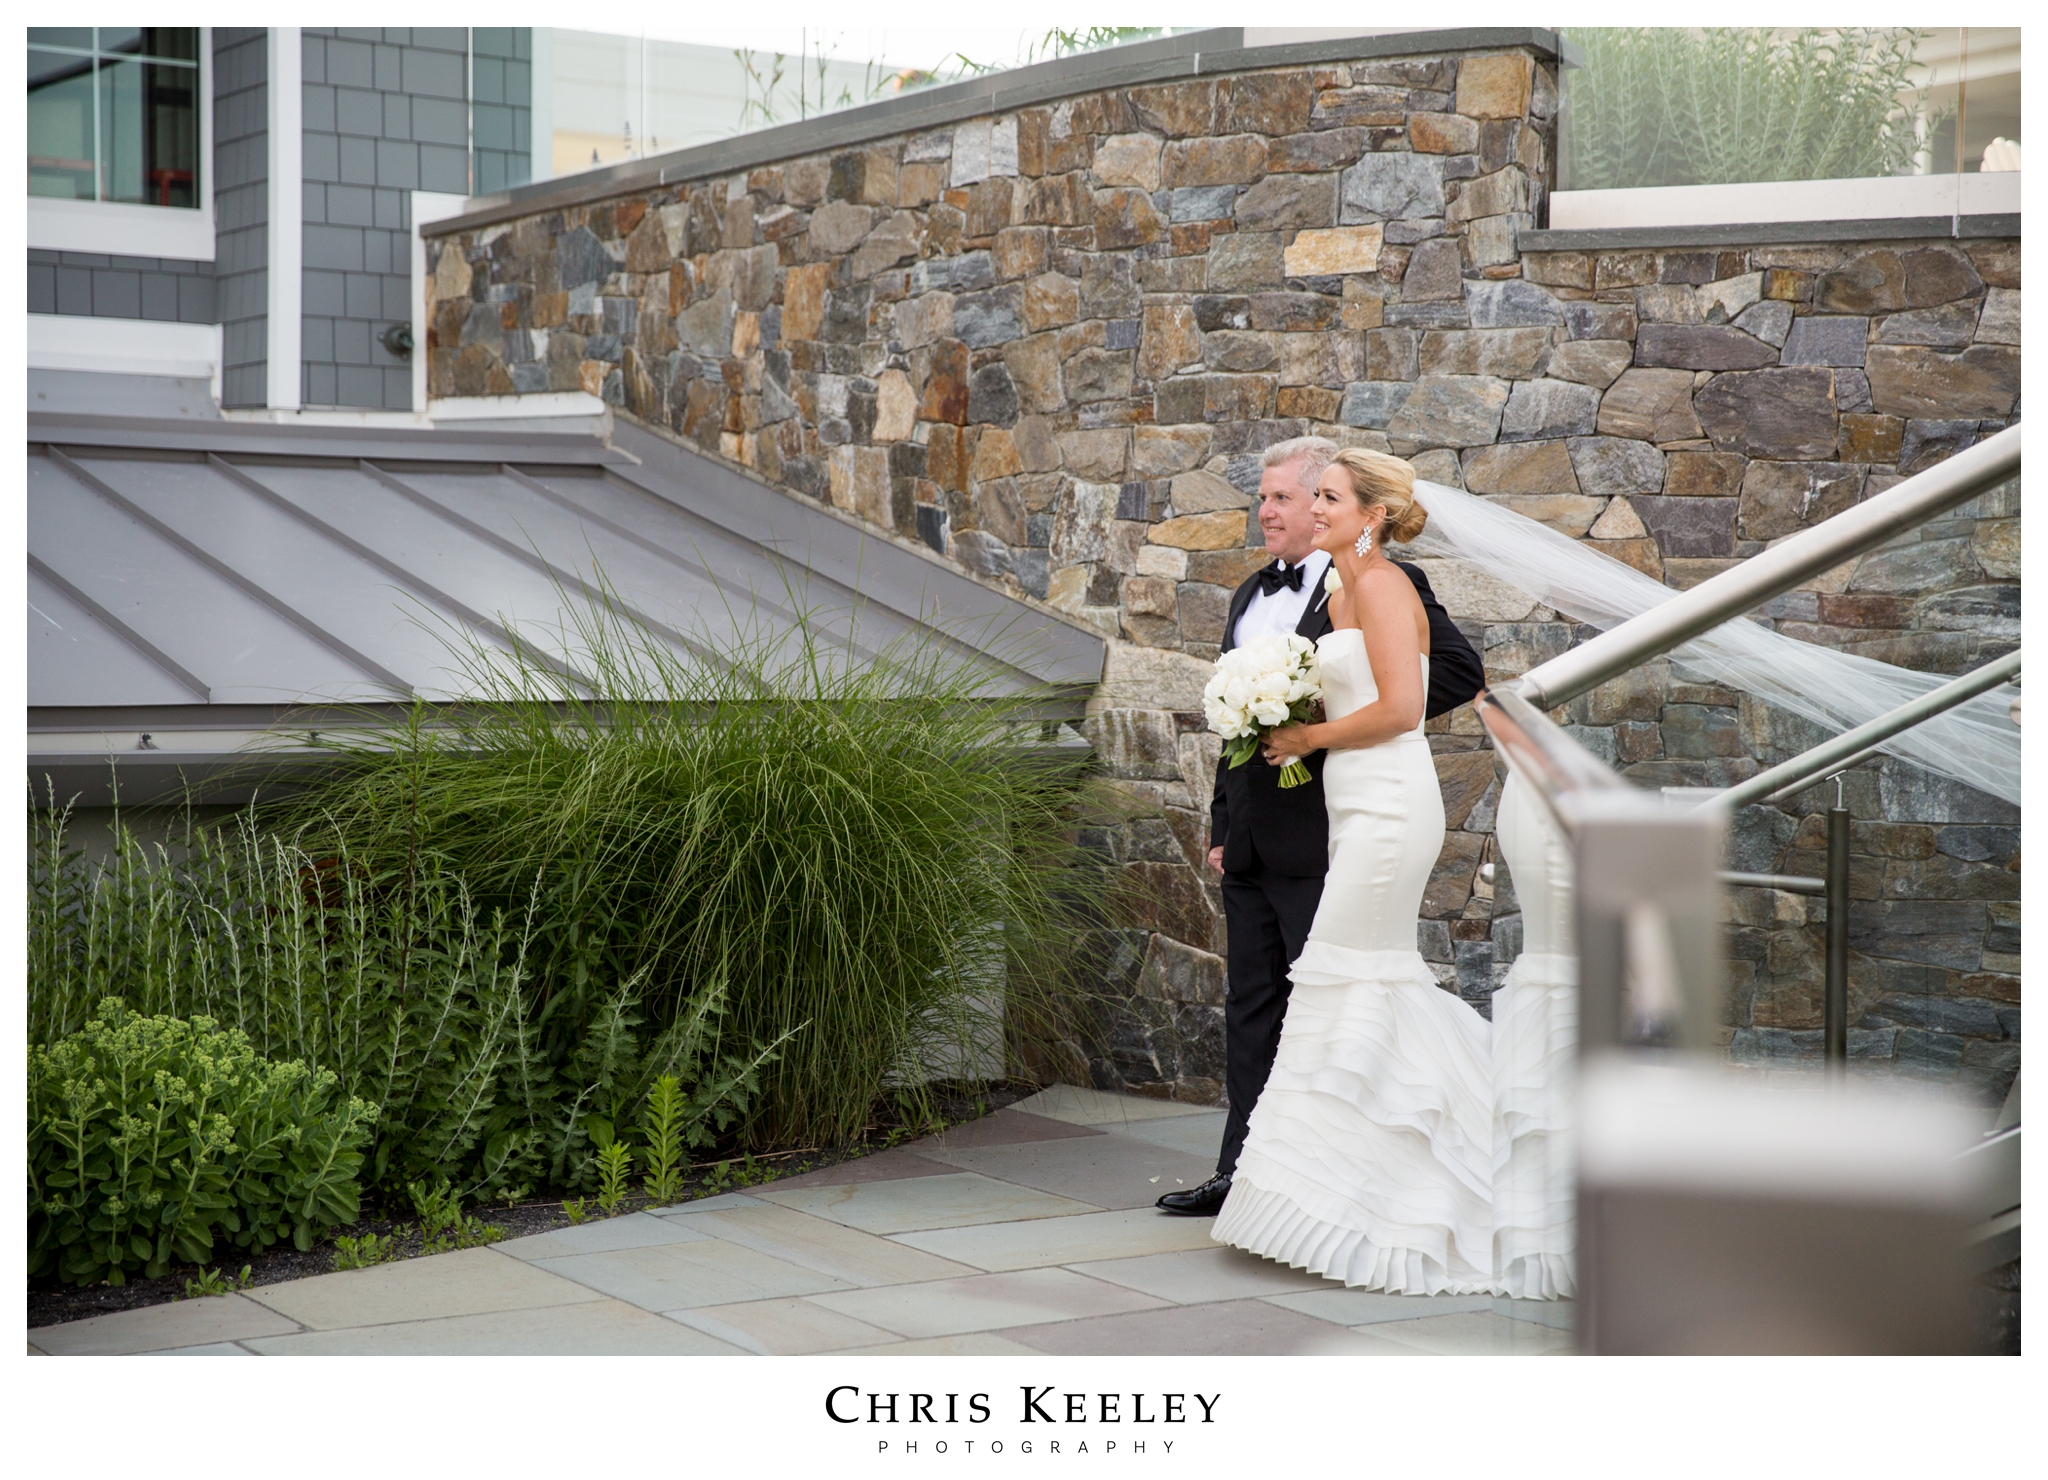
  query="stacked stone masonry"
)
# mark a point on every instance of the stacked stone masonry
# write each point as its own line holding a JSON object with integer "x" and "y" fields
{"x": 1051, "y": 344}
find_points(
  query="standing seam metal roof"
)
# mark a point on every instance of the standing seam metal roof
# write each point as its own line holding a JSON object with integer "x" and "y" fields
{"x": 203, "y": 583}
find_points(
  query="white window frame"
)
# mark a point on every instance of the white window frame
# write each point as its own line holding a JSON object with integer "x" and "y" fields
{"x": 117, "y": 229}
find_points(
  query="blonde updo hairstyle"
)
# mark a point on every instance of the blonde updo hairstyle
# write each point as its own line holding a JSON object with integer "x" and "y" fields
{"x": 1380, "y": 480}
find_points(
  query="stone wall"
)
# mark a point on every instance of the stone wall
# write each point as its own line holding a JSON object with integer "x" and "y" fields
{"x": 1050, "y": 344}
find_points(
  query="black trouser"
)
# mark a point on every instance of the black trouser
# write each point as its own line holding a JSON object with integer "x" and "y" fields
{"x": 1268, "y": 917}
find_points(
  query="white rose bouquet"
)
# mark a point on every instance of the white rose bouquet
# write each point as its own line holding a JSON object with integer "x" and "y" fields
{"x": 1257, "y": 688}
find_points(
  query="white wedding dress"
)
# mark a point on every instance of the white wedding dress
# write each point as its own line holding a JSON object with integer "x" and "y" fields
{"x": 1370, "y": 1153}
{"x": 1535, "y": 1041}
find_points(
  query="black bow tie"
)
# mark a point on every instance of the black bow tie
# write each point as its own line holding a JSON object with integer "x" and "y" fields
{"x": 1273, "y": 577}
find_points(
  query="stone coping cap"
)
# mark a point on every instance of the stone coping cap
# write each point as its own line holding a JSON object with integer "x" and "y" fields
{"x": 1194, "y": 53}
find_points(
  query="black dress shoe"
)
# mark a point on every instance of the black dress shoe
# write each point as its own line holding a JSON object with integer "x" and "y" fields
{"x": 1205, "y": 1201}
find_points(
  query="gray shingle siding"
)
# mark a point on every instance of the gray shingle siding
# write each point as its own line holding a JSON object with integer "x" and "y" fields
{"x": 502, "y": 111}
{"x": 88, "y": 284}
{"x": 386, "y": 113}
{"x": 241, "y": 210}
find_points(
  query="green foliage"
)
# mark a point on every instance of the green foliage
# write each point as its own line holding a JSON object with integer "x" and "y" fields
{"x": 576, "y": 1210}
{"x": 1066, "y": 40}
{"x": 792, "y": 872}
{"x": 792, "y": 876}
{"x": 397, "y": 983}
{"x": 395, "y": 980}
{"x": 1723, "y": 105}
{"x": 724, "y": 1176}
{"x": 614, "y": 1161}
{"x": 213, "y": 1282}
{"x": 361, "y": 1253}
{"x": 663, "y": 1128}
{"x": 148, "y": 1137}
{"x": 442, "y": 1224}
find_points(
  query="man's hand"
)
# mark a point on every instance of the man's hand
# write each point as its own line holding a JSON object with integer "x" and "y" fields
{"x": 1216, "y": 859}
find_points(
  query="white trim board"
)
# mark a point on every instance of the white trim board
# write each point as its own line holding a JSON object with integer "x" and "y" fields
{"x": 1787, "y": 200}
{"x": 123, "y": 346}
{"x": 427, "y": 205}
{"x": 544, "y": 404}
{"x": 285, "y": 329}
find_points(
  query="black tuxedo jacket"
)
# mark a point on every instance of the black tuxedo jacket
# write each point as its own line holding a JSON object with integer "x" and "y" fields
{"x": 1287, "y": 831}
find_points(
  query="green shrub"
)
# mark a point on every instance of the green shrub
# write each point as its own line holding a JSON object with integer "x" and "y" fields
{"x": 1729, "y": 105}
{"x": 148, "y": 1137}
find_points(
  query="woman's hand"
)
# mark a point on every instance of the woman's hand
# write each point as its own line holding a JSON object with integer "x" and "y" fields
{"x": 1290, "y": 743}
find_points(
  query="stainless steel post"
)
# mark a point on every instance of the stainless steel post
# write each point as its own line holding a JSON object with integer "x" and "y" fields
{"x": 1836, "y": 1012}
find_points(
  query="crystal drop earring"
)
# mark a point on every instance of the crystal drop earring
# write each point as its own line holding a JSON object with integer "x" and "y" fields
{"x": 1364, "y": 546}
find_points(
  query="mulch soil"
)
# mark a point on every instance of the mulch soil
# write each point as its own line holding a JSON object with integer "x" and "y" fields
{"x": 51, "y": 1303}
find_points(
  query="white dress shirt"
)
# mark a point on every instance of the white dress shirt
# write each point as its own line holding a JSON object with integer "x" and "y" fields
{"x": 1281, "y": 612}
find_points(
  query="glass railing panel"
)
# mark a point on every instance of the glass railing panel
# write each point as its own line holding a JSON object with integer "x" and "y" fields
{"x": 604, "y": 98}
{"x": 1664, "y": 106}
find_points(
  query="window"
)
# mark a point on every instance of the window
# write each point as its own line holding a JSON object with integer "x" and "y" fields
{"x": 114, "y": 114}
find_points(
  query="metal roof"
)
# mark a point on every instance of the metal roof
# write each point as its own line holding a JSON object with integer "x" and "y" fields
{"x": 196, "y": 587}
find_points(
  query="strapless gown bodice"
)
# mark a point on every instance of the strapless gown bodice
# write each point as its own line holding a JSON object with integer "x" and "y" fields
{"x": 1348, "y": 683}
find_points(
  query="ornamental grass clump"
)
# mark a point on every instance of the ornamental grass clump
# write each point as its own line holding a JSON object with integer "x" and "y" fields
{"x": 840, "y": 864}
{"x": 1733, "y": 105}
{"x": 151, "y": 1137}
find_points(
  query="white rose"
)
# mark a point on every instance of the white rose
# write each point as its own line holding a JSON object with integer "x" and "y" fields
{"x": 1269, "y": 712}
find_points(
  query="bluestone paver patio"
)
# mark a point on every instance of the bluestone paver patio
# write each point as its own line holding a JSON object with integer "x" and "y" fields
{"x": 1029, "y": 1231}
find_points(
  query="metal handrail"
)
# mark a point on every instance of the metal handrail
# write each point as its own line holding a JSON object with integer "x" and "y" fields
{"x": 1854, "y": 744}
{"x": 1789, "y": 883}
{"x": 1851, "y": 744}
{"x": 1832, "y": 773}
{"x": 1770, "y": 574}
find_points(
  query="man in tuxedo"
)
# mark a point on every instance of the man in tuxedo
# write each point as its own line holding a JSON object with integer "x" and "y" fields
{"x": 1272, "y": 845}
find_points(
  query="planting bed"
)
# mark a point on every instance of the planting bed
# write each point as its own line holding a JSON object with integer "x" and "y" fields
{"x": 51, "y": 1303}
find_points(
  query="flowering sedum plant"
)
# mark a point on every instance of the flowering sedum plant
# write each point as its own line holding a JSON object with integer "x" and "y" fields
{"x": 1257, "y": 688}
{"x": 149, "y": 1138}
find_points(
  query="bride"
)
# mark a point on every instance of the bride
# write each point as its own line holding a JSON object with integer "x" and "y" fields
{"x": 1370, "y": 1153}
